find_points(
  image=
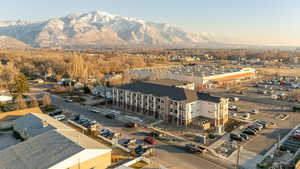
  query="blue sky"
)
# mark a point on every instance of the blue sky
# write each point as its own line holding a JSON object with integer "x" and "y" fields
{"x": 274, "y": 22}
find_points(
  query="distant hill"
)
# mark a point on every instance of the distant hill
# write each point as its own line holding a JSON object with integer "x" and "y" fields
{"x": 8, "y": 42}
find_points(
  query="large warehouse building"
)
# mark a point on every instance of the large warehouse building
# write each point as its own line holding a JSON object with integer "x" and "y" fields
{"x": 199, "y": 75}
{"x": 171, "y": 104}
{"x": 50, "y": 144}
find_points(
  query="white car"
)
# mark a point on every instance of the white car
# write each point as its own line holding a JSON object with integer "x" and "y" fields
{"x": 59, "y": 117}
{"x": 297, "y": 132}
{"x": 95, "y": 111}
{"x": 254, "y": 111}
{"x": 233, "y": 108}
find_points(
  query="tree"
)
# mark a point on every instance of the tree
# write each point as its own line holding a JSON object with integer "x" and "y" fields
{"x": 20, "y": 85}
{"x": 46, "y": 100}
{"x": 34, "y": 102}
{"x": 21, "y": 103}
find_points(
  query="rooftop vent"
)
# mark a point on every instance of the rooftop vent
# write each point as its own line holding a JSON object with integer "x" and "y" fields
{"x": 45, "y": 124}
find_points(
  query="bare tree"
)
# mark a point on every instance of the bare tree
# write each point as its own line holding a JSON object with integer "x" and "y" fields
{"x": 21, "y": 103}
{"x": 34, "y": 102}
{"x": 46, "y": 100}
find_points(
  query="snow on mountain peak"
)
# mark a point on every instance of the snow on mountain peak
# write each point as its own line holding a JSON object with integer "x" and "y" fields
{"x": 98, "y": 27}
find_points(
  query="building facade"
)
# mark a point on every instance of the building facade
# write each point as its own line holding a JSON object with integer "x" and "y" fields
{"x": 171, "y": 104}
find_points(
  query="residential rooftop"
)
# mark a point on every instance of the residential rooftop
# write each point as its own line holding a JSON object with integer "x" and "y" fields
{"x": 173, "y": 93}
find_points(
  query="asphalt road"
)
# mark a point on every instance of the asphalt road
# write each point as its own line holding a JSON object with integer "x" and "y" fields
{"x": 169, "y": 156}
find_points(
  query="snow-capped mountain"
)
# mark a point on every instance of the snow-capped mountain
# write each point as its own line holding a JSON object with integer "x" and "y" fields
{"x": 99, "y": 29}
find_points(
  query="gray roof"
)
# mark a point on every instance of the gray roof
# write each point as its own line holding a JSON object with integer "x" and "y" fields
{"x": 39, "y": 152}
{"x": 31, "y": 124}
{"x": 168, "y": 82}
{"x": 174, "y": 93}
{"x": 46, "y": 146}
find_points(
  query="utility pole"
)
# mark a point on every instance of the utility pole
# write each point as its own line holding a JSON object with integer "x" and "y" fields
{"x": 238, "y": 158}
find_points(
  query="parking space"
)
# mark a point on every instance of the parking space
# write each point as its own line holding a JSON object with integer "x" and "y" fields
{"x": 265, "y": 140}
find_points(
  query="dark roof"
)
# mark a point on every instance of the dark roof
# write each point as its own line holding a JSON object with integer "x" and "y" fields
{"x": 174, "y": 93}
{"x": 40, "y": 152}
{"x": 168, "y": 82}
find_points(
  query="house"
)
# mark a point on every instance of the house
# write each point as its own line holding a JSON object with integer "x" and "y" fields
{"x": 171, "y": 104}
{"x": 50, "y": 144}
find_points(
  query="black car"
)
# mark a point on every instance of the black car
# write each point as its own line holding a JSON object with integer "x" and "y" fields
{"x": 236, "y": 137}
{"x": 140, "y": 150}
{"x": 244, "y": 136}
{"x": 82, "y": 121}
{"x": 192, "y": 148}
{"x": 249, "y": 132}
{"x": 106, "y": 134}
{"x": 56, "y": 112}
{"x": 110, "y": 116}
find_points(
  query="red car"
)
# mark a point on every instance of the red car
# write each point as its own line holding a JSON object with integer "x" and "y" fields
{"x": 296, "y": 136}
{"x": 131, "y": 125}
{"x": 150, "y": 140}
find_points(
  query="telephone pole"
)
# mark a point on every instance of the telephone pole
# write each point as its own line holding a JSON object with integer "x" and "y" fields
{"x": 238, "y": 158}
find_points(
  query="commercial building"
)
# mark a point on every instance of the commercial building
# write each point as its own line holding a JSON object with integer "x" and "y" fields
{"x": 50, "y": 144}
{"x": 175, "y": 83}
{"x": 172, "y": 104}
{"x": 200, "y": 75}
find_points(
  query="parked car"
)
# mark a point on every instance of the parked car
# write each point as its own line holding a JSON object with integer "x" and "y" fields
{"x": 254, "y": 111}
{"x": 150, "y": 140}
{"x": 110, "y": 116}
{"x": 107, "y": 134}
{"x": 297, "y": 132}
{"x": 263, "y": 123}
{"x": 249, "y": 132}
{"x": 105, "y": 130}
{"x": 236, "y": 137}
{"x": 95, "y": 111}
{"x": 140, "y": 150}
{"x": 114, "y": 135}
{"x": 56, "y": 112}
{"x": 82, "y": 121}
{"x": 255, "y": 127}
{"x": 233, "y": 108}
{"x": 245, "y": 136}
{"x": 296, "y": 136}
{"x": 69, "y": 100}
{"x": 131, "y": 125}
{"x": 234, "y": 99}
{"x": 128, "y": 142}
{"x": 156, "y": 134}
{"x": 192, "y": 148}
{"x": 59, "y": 117}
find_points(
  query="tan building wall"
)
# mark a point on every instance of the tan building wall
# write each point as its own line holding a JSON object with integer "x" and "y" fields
{"x": 20, "y": 112}
{"x": 100, "y": 162}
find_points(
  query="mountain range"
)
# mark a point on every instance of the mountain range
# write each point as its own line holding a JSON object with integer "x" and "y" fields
{"x": 98, "y": 30}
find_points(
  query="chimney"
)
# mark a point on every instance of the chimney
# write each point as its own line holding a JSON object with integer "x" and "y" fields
{"x": 45, "y": 124}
